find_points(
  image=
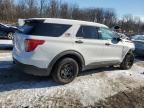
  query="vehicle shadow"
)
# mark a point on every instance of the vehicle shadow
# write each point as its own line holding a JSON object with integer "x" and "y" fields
{"x": 98, "y": 70}
{"x": 13, "y": 79}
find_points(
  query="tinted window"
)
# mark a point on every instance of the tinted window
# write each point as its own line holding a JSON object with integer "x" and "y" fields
{"x": 106, "y": 34}
{"x": 44, "y": 29}
{"x": 88, "y": 32}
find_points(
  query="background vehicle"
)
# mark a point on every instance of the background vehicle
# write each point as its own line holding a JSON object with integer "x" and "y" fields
{"x": 142, "y": 33}
{"x": 64, "y": 47}
{"x": 21, "y": 22}
{"x": 7, "y": 31}
{"x": 139, "y": 44}
{"x": 123, "y": 36}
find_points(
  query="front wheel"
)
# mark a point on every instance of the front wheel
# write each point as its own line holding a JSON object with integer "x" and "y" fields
{"x": 128, "y": 61}
{"x": 65, "y": 71}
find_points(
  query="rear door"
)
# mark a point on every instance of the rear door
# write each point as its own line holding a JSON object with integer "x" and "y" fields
{"x": 88, "y": 44}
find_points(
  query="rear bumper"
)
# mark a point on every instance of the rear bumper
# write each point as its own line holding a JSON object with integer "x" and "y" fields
{"x": 29, "y": 69}
{"x": 32, "y": 58}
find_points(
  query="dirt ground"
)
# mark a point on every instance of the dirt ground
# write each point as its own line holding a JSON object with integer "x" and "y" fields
{"x": 132, "y": 99}
{"x": 125, "y": 99}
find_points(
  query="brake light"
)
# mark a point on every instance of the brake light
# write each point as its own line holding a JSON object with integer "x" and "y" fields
{"x": 31, "y": 44}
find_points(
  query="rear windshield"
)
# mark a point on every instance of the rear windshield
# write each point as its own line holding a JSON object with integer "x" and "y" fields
{"x": 40, "y": 28}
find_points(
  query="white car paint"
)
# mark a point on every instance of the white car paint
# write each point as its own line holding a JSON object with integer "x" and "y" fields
{"x": 93, "y": 50}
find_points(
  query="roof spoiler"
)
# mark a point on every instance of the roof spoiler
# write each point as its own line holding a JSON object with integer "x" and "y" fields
{"x": 34, "y": 20}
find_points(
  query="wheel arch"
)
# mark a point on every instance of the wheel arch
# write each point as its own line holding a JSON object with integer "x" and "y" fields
{"x": 70, "y": 53}
{"x": 129, "y": 51}
{"x": 125, "y": 64}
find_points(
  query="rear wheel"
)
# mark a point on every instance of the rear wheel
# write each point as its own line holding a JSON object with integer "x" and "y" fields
{"x": 128, "y": 61}
{"x": 10, "y": 35}
{"x": 65, "y": 71}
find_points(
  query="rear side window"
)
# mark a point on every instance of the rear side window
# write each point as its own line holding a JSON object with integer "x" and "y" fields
{"x": 88, "y": 32}
{"x": 44, "y": 29}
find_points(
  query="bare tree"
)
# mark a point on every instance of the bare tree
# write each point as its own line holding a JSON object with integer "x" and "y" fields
{"x": 53, "y": 8}
{"x": 64, "y": 10}
{"x": 110, "y": 17}
{"x": 32, "y": 9}
{"x": 11, "y": 10}
{"x": 43, "y": 4}
{"x": 75, "y": 12}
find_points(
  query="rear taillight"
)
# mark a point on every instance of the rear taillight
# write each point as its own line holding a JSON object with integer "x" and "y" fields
{"x": 31, "y": 44}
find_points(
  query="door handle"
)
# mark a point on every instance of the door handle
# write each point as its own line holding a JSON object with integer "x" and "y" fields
{"x": 79, "y": 41}
{"x": 107, "y": 44}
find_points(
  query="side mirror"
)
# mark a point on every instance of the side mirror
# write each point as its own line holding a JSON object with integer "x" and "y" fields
{"x": 116, "y": 40}
{"x": 119, "y": 39}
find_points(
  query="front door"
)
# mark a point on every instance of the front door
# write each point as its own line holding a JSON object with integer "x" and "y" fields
{"x": 112, "y": 49}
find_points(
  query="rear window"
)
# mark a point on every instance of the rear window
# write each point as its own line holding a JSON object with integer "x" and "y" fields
{"x": 88, "y": 32}
{"x": 44, "y": 29}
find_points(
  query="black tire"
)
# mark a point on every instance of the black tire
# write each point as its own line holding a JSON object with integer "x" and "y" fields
{"x": 10, "y": 35}
{"x": 65, "y": 71}
{"x": 128, "y": 61}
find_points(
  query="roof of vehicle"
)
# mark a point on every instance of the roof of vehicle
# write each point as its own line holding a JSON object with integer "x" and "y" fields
{"x": 68, "y": 21}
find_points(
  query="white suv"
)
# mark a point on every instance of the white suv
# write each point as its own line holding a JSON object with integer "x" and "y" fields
{"x": 63, "y": 48}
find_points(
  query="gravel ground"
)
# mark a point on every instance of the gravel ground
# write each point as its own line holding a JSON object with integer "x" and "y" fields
{"x": 93, "y": 88}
